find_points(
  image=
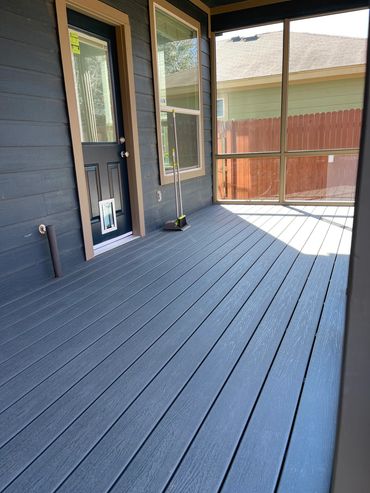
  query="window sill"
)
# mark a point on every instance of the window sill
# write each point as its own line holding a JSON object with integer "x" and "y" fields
{"x": 185, "y": 175}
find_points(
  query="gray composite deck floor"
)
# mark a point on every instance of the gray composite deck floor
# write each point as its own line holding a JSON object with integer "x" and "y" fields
{"x": 201, "y": 361}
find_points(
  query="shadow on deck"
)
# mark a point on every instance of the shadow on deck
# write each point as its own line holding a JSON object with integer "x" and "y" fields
{"x": 200, "y": 361}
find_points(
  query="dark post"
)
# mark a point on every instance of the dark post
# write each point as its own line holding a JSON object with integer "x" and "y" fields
{"x": 351, "y": 471}
{"x": 55, "y": 257}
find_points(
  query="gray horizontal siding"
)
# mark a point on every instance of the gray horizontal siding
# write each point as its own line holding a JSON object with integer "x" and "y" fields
{"x": 16, "y": 159}
{"x": 31, "y": 108}
{"x": 21, "y": 81}
{"x": 40, "y": 11}
{"x": 22, "y": 133}
{"x": 27, "y": 56}
{"x": 45, "y": 38}
{"x": 18, "y": 185}
{"x": 24, "y": 233}
{"x": 37, "y": 179}
{"x": 34, "y": 206}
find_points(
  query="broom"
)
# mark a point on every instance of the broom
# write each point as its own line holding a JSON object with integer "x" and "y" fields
{"x": 180, "y": 223}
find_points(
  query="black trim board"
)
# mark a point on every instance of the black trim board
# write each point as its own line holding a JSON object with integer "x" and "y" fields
{"x": 276, "y": 12}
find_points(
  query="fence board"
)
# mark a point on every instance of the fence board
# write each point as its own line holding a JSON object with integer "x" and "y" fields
{"x": 246, "y": 179}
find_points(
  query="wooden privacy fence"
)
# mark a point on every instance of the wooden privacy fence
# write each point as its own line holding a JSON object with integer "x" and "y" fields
{"x": 307, "y": 177}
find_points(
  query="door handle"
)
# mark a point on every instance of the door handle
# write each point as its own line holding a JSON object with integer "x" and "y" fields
{"x": 125, "y": 154}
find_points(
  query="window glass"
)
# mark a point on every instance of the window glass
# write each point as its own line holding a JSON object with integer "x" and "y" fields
{"x": 326, "y": 81}
{"x": 177, "y": 55}
{"x": 319, "y": 95}
{"x": 187, "y": 129}
{"x": 248, "y": 179}
{"x": 321, "y": 177}
{"x": 178, "y": 87}
{"x": 91, "y": 65}
{"x": 220, "y": 108}
{"x": 249, "y": 78}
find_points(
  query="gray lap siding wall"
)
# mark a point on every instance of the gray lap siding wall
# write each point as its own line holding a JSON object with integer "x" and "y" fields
{"x": 37, "y": 180}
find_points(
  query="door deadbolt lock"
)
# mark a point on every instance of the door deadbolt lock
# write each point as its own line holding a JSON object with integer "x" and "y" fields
{"x": 125, "y": 154}
{"x": 122, "y": 140}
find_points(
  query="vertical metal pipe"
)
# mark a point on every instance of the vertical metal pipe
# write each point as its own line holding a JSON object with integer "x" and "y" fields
{"x": 214, "y": 117}
{"x": 177, "y": 164}
{"x": 175, "y": 182}
{"x": 55, "y": 257}
{"x": 284, "y": 110}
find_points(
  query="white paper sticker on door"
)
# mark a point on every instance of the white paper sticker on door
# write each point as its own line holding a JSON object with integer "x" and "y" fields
{"x": 107, "y": 216}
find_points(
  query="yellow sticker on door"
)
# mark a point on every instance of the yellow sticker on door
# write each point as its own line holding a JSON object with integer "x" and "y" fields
{"x": 75, "y": 42}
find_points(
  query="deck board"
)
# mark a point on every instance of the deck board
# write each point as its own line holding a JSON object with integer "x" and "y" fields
{"x": 192, "y": 317}
{"x": 174, "y": 384}
{"x": 307, "y": 466}
{"x": 98, "y": 271}
{"x": 90, "y": 358}
{"x": 222, "y": 428}
{"x": 135, "y": 313}
{"x": 123, "y": 286}
{"x": 123, "y": 276}
{"x": 247, "y": 248}
{"x": 98, "y": 266}
{"x": 259, "y": 456}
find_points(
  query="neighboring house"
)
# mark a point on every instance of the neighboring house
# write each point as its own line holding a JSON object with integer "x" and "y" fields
{"x": 326, "y": 74}
{"x": 325, "y": 100}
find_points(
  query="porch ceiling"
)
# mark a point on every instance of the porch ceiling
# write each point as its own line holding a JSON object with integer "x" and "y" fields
{"x": 183, "y": 361}
{"x": 244, "y": 3}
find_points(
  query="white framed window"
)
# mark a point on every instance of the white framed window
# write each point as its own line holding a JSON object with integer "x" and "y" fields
{"x": 177, "y": 80}
{"x": 220, "y": 108}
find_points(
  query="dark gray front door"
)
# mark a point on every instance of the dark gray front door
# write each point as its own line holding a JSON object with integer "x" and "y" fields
{"x": 94, "y": 55}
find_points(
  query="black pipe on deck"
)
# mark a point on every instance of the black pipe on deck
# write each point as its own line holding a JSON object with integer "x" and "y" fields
{"x": 54, "y": 251}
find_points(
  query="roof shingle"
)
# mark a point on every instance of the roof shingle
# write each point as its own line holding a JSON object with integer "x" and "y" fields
{"x": 261, "y": 55}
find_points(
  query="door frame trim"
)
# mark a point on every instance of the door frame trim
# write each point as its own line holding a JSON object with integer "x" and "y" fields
{"x": 120, "y": 20}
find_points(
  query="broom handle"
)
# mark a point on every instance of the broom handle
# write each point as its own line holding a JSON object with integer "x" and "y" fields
{"x": 175, "y": 181}
{"x": 178, "y": 164}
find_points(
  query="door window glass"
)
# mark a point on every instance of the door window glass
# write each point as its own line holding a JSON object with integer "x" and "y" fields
{"x": 91, "y": 66}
